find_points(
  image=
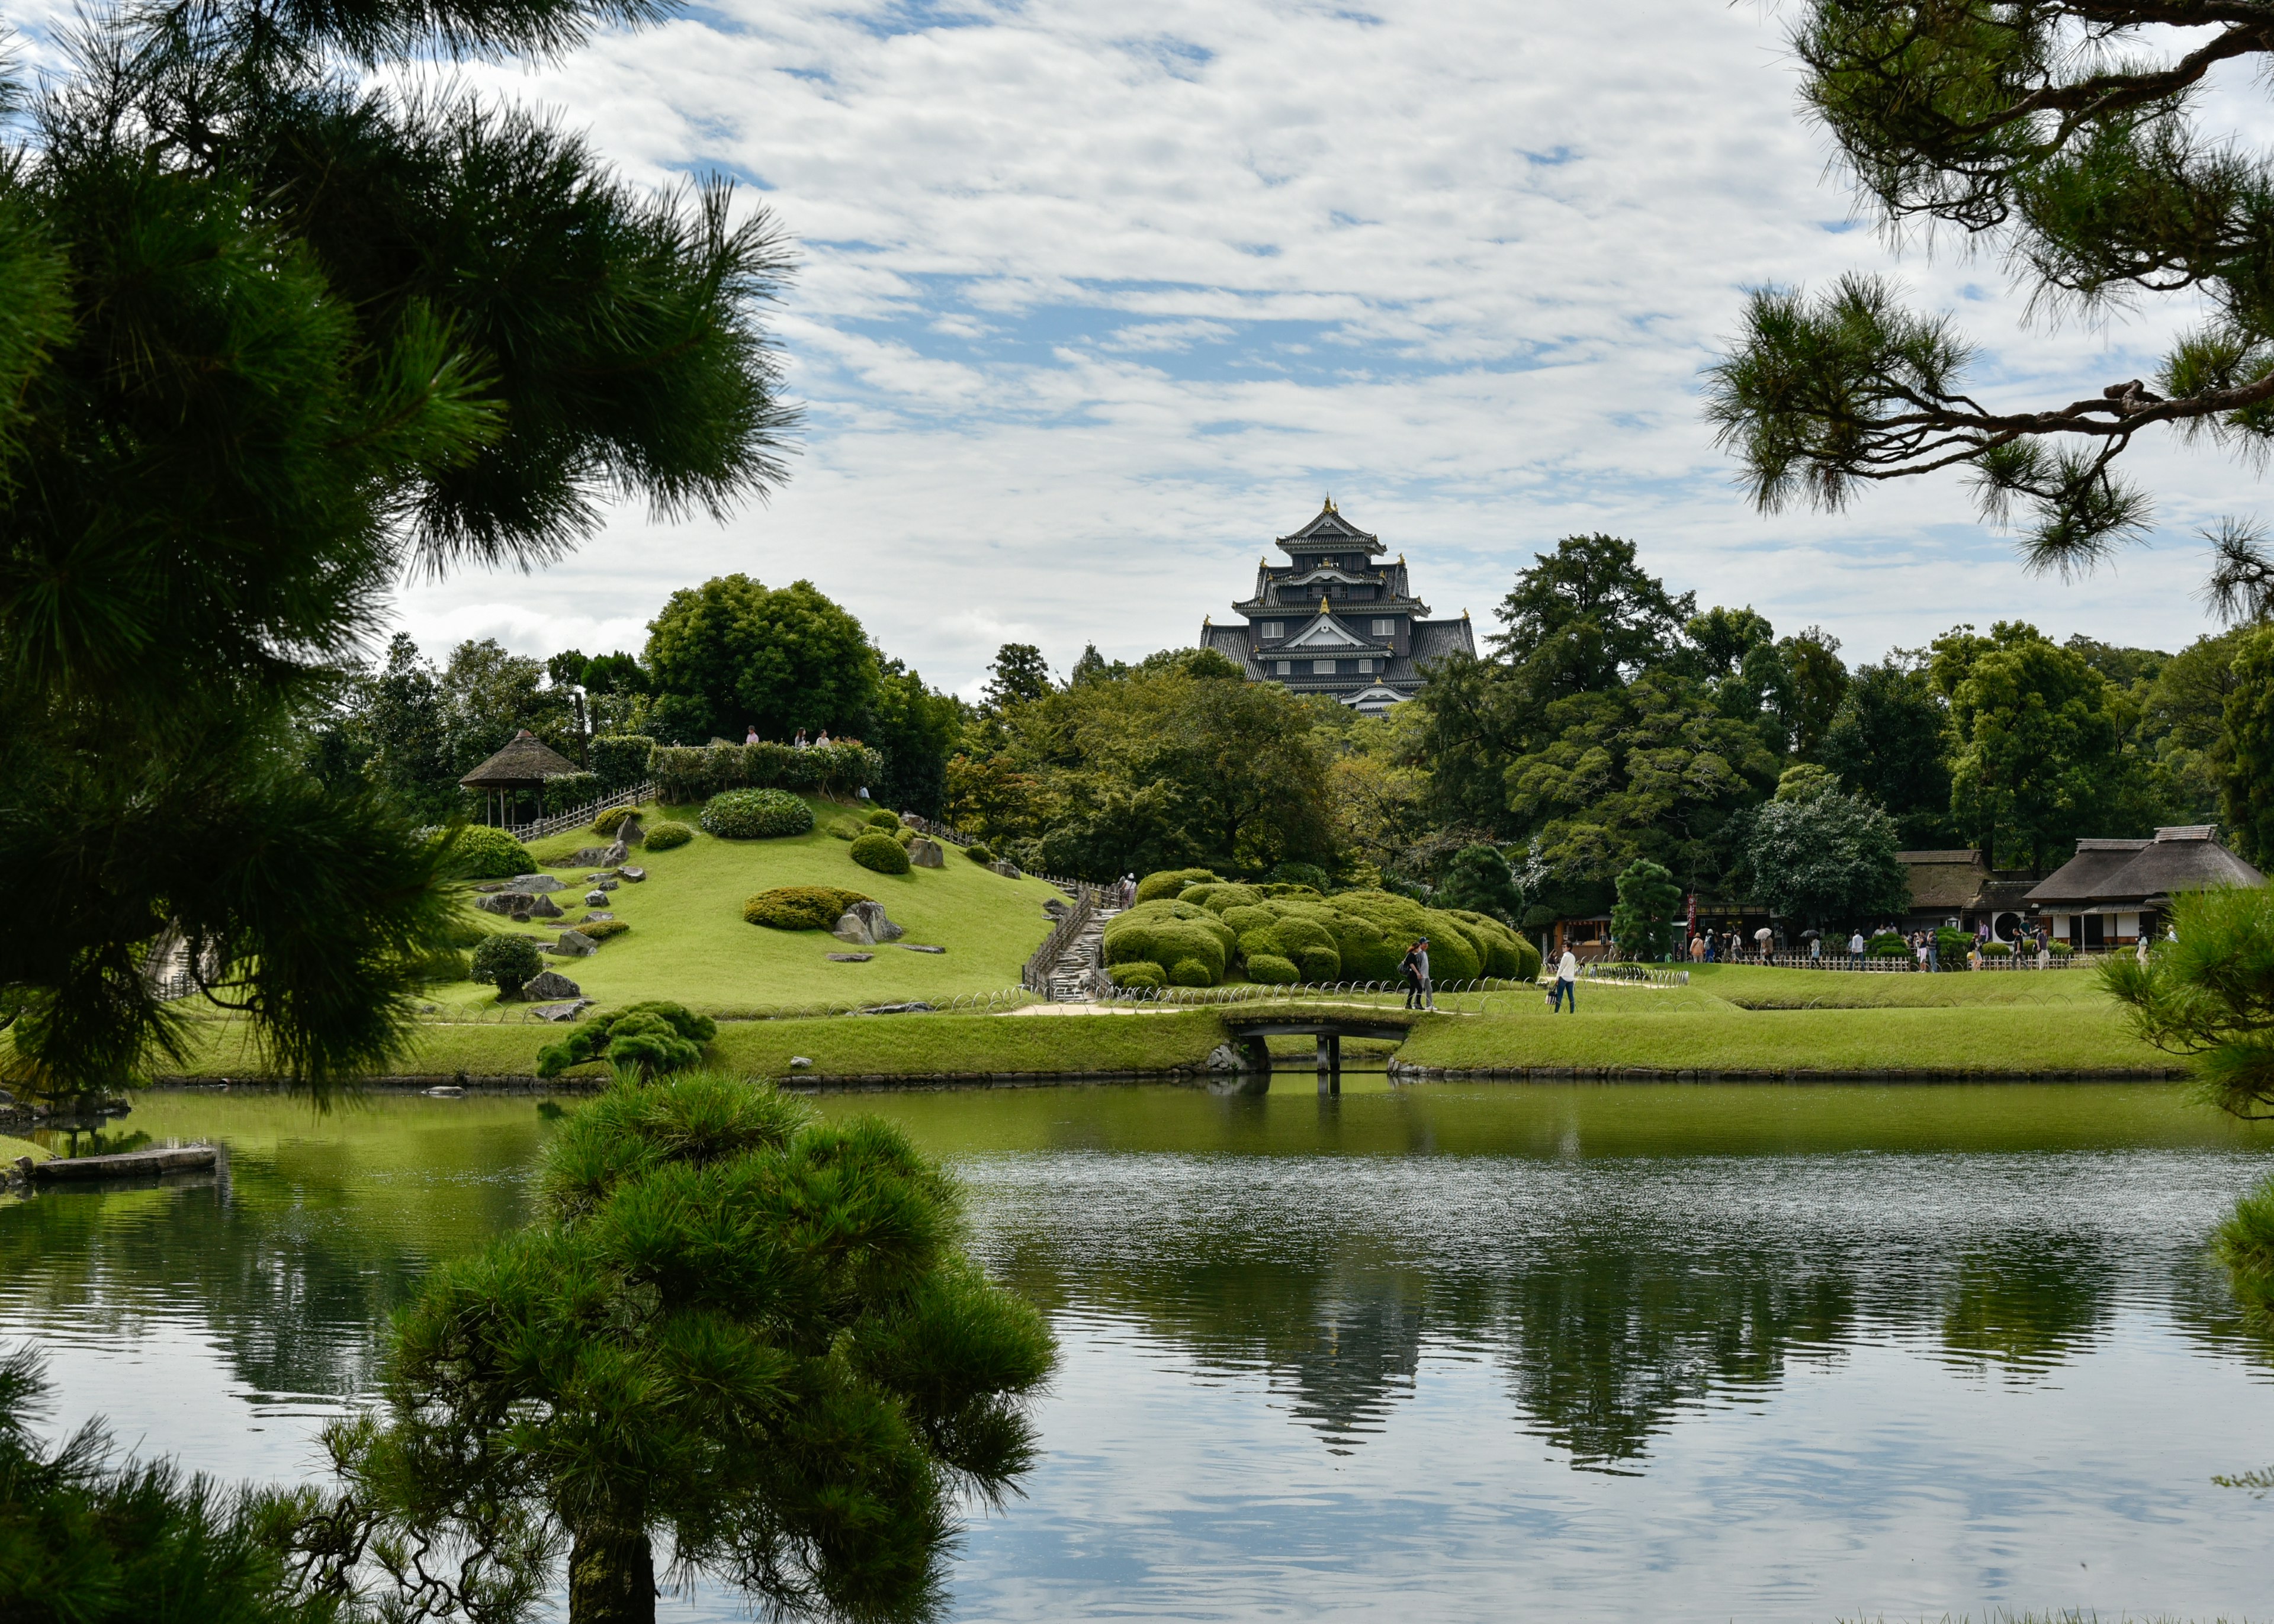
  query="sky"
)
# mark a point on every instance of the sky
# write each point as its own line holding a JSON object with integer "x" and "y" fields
{"x": 1095, "y": 300}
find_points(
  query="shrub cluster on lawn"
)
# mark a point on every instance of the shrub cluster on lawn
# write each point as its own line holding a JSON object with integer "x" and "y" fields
{"x": 601, "y": 929}
{"x": 614, "y": 819}
{"x": 479, "y": 853}
{"x": 1137, "y": 972}
{"x": 508, "y": 963}
{"x": 645, "y": 1040}
{"x": 685, "y": 773}
{"x": 979, "y": 853}
{"x": 879, "y": 851}
{"x": 619, "y": 760}
{"x": 878, "y": 818}
{"x": 800, "y": 907}
{"x": 1210, "y": 924}
{"x": 755, "y": 815}
{"x": 667, "y": 834}
{"x": 1887, "y": 944}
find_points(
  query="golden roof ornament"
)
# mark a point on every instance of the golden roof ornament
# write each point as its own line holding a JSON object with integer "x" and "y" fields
{"x": 1322, "y": 603}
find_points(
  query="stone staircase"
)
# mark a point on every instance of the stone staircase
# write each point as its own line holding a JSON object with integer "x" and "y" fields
{"x": 1079, "y": 960}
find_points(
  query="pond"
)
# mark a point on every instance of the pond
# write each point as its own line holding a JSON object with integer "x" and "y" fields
{"x": 1463, "y": 1351}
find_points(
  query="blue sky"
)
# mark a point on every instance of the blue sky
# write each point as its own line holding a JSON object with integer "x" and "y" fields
{"x": 1096, "y": 299}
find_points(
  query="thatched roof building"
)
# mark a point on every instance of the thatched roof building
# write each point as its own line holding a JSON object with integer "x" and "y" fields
{"x": 1959, "y": 889}
{"x": 525, "y": 762}
{"x": 2115, "y": 892}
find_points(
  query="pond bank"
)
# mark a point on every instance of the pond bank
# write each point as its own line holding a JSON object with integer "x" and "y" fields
{"x": 1710, "y": 1040}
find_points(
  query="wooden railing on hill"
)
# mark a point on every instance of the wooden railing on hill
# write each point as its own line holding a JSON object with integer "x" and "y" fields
{"x": 545, "y": 828}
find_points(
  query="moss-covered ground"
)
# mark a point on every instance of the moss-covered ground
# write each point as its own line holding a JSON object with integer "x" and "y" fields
{"x": 689, "y": 943}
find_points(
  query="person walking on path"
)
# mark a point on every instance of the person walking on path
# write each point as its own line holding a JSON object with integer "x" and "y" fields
{"x": 1410, "y": 968}
{"x": 1567, "y": 983}
{"x": 1856, "y": 948}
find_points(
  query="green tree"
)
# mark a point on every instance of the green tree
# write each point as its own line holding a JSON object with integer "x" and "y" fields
{"x": 1824, "y": 857}
{"x": 2038, "y": 736}
{"x": 1888, "y": 743}
{"x": 1478, "y": 879}
{"x": 2062, "y": 134}
{"x": 753, "y": 1336}
{"x": 2182, "y": 725}
{"x": 917, "y": 729}
{"x": 1020, "y": 676}
{"x": 1587, "y": 615}
{"x": 1643, "y": 919}
{"x": 275, "y": 333}
{"x": 731, "y": 654}
{"x": 2247, "y": 797}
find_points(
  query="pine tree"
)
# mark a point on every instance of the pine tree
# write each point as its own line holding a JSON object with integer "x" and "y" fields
{"x": 275, "y": 334}
{"x": 2060, "y": 135}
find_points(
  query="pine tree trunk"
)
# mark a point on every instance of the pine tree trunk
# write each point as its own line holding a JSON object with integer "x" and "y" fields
{"x": 610, "y": 1580}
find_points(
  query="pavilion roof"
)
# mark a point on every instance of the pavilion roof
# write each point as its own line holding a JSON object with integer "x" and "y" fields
{"x": 525, "y": 762}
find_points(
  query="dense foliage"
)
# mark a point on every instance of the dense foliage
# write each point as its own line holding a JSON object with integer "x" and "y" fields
{"x": 476, "y": 852}
{"x": 880, "y": 852}
{"x": 752, "y": 1337}
{"x": 1647, "y": 914}
{"x": 2209, "y": 993}
{"x": 508, "y": 962}
{"x": 755, "y": 815}
{"x": 642, "y": 1042}
{"x": 1821, "y": 857}
{"x": 684, "y": 774}
{"x": 800, "y": 907}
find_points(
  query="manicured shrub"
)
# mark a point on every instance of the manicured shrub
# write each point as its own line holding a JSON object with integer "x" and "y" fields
{"x": 1244, "y": 920}
{"x": 668, "y": 833}
{"x": 1307, "y": 893}
{"x": 482, "y": 854}
{"x": 978, "y": 853}
{"x": 1263, "y": 943}
{"x": 755, "y": 815}
{"x": 614, "y": 819}
{"x": 1272, "y": 970}
{"x": 878, "y": 852}
{"x": 601, "y": 929}
{"x": 845, "y": 829}
{"x": 508, "y": 963}
{"x": 1137, "y": 972}
{"x": 1886, "y": 944}
{"x": 1157, "y": 938}
{"x": 1220, "y": 895}
{"x": 619, "y": 760}
{"x": 800, "y": 907}
{"x": 1168, "y": 882}
{"x": 1190, "y": 973}
{"x": 2061, "y": 949}
{"x": 1951, "y": 948}
{"x": 906, "y": 836}
{"x": 565, "y": 792}
{"x": 685, "y": 773}
{"x": 1320, "y": 964}
{"x": 1997, "y": 950}
{"x": 878, "y": 818}
{"x": 1503, "y": 952}
{"x": 1297, "y": 933}
{"x": 645, "y": 1040}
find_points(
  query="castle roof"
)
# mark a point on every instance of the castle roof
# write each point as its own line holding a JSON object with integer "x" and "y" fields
{"x": 1330, "y": 528}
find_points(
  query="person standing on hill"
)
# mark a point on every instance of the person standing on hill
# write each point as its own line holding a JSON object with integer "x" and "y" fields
{"x": 1567, "y": 982}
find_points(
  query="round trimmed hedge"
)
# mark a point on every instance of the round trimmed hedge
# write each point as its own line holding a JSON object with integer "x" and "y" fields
{"x": 601, "y": 929}
{"x": 1192, "y": 972}
{"x": 878, "y": 818}
{"x": 508, "y": 963}
{"x": 879, "y": 853}
{"x": 979, "y": 853}
{"x": 480, "y": 852}
{"x": 667, "y": 834}
{"x": 1168, "y": 883}
{"x": 1272, "y": 970}
{"x": 1137, "y": 972}
{"x": 800, "y": 907}
{"x": 1174, "y": 935}
{"x": 755, "y": 815}
{"x": 614, "y": 819}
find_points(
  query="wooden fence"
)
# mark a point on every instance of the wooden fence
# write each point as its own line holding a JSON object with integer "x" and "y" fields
{"x": 544, "y": 828}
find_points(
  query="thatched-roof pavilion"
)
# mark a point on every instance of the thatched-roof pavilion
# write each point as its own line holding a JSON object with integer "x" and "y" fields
{"x": 2115, "y": 892}
{"x": 524, "y": 763}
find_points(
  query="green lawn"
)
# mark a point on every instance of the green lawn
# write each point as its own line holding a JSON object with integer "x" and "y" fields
{"x": 895, "y": 1045}
{"x": 1750, "y": 986}
{"x": 688, "y": 941}
{"x": 1623, "y": 1029}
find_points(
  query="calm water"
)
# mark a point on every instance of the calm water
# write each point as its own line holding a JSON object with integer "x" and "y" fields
{"x": 1457, "y": 1352}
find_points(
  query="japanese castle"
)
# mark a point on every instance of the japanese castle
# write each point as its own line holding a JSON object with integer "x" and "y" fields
{"x": 1334, "y": 620}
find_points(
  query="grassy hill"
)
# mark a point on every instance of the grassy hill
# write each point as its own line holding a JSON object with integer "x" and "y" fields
{"x": 688, "y": 941}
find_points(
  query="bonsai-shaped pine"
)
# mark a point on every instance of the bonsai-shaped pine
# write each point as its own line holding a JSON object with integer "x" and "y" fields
{"x": 1642, "y": 917}
{"x": 642, "y": 1043}
{"x": 750, "y": 1334}
{"x": 508, "y": 963}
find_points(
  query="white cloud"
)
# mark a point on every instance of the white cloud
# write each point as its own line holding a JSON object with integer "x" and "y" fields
{"x": 1094, "y": 303}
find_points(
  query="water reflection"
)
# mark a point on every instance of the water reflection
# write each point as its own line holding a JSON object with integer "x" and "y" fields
{"x": 1434, "y": 1282}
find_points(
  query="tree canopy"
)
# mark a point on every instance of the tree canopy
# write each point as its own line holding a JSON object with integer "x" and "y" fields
{"x": 2062, "y": 136}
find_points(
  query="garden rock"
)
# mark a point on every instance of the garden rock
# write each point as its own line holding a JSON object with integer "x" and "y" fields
{"x": 533, "y": 884}
{"x": 911, "y": 819}
{"x": 910, "y": 947}
{"x": 541, "y": 907}
{"x": 1004, "y": 867}
{"x": 549, "y": 986}
{"x": 634, "y": 875}
{"x": 564, "y": 1011}
{"x": 874, "y": 920}
{"x": 577, "y": 944}
{"x": 596, "y": 898}
{"x": 925, "y": 853}
{"x": 599, "y": 856}
{"x": 607, "y": 884}
{"x": 1057, "y": 907}
{"x": 597, "y": 918}
{"x": 851, "y": 926}
{"x": 850, "y": 957}
{"x": 800, "y": 1063}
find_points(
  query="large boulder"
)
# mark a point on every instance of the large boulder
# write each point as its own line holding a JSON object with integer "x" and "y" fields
{"x": 575, "y": 944}
{"x": 851, "y": 927}
{"x": 596, "y": 898}
{"x": 533, "y": 884}
{"x": 634, "y": 875}
{"x": 539, "y": 908}
{"x": 881, "y": 927}
{"x": 599, "y": 856}
{"x": 501, "y": 903}
{"x": 1004, "y": 867}
{"x": 547, "y": 986}
{"x": 567, "y": 1010}
{"x": 925, "y": 853}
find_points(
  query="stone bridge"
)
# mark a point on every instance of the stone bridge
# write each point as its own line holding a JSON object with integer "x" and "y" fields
{"x": 1250, "y": 1030}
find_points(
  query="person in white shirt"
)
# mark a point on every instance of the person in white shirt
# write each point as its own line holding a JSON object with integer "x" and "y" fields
{"x": 1855, "y": 947}
{"x": 1567, "y": 982}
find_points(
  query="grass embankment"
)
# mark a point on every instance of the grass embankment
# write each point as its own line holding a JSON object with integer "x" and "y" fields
{"x": 911, "y": 1046}
{"x": 689, "y": 943}
{"x": 1730, "y": 1019}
